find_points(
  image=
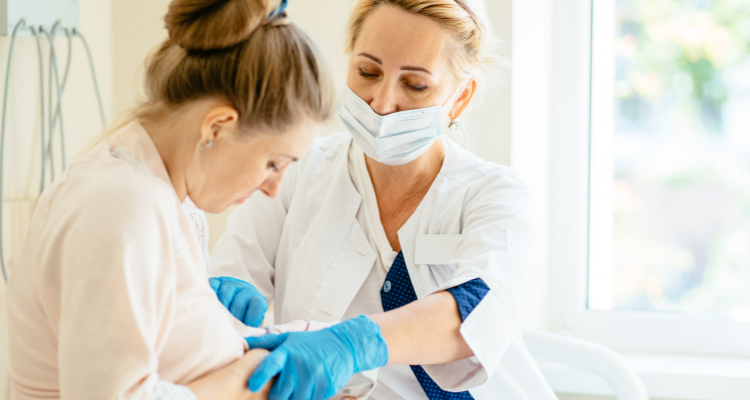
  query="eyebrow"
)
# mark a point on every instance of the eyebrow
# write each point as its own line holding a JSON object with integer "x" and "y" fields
{"x": 294, "y": 159}
{"x": 404, "y": 68}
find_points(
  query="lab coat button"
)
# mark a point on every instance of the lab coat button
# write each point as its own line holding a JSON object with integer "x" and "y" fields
{"x": 387, "y": 286}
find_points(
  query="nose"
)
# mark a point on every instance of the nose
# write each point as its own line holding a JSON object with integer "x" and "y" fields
{"x": 384, "y": 100}
{"x": 271, "y": 187}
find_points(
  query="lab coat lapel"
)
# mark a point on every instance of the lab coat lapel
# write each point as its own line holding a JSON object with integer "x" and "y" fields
{"x": 334, "y": 256}
{"x": 344, "y": 277}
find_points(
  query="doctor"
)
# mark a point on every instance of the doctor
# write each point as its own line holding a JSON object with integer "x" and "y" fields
{"x": 395, "y": 221}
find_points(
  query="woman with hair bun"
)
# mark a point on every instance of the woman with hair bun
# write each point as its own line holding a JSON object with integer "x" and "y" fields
{"x": 109, "y": 298}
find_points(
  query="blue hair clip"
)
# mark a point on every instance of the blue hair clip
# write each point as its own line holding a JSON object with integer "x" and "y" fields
{"x": 281, "y": 8}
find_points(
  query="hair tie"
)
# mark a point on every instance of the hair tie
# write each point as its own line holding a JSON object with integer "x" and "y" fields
{"x": 280, "y": 10}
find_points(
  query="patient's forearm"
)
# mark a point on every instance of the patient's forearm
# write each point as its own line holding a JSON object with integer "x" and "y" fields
{"x": 231, "y": 382}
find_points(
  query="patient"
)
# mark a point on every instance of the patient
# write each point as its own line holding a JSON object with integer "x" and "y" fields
{"x": 109, "y": 297}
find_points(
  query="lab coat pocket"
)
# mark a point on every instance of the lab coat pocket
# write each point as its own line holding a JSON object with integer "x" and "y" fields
{"x": 436, "y": 249}
{"x": 434, "y": 257}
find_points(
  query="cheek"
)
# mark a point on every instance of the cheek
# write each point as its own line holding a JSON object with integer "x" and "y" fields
{"x": 354, "y": 82}
{"x": 236, "y": 175}
{"x": 352, "y": 77}
{"x": 360, "y": 85}
{"x": 250, "y": 176}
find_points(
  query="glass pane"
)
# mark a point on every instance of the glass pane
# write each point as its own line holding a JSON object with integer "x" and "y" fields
{"x": 681, "y": 155}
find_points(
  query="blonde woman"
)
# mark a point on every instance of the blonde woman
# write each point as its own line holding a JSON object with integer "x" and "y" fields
{"x": 394, "y": 221}
{"x": 110, "y": 299}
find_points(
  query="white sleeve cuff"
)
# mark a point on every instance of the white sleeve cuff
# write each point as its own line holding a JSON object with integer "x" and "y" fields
{"x": 488, "y": 332}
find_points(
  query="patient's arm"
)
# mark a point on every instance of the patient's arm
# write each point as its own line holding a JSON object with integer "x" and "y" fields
{"x": 230, "y": 382}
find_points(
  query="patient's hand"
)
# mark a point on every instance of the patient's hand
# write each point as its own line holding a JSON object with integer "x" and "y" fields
{"x": 231, "y": 382}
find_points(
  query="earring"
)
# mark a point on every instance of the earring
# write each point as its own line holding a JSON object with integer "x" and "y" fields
{"x": 207, "y": 146}
{"x": 454, "y": 125}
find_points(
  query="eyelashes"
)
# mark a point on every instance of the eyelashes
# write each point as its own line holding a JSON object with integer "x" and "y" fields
{"x": 416, "y": 88}
{"x": 413, "y": 88}
{"x": 365, "y": 74}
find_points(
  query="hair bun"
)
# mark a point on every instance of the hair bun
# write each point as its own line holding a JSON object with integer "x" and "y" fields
{"x": 215, "y": 24}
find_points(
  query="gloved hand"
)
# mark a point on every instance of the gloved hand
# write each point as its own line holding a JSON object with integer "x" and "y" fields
{"x": 242, "y": 299}
{"x": 316, "y": 365}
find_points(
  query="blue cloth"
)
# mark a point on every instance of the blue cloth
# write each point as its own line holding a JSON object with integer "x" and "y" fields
{"x": 469, "y": 295}
{"x": 398, "y": 291}
{"x": 316, "y": 365}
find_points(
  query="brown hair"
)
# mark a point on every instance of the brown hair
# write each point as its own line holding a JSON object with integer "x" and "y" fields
{"x": 242, "y": 51}
{"x": 476, "y": 51}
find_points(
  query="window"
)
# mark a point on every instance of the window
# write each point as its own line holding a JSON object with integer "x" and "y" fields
{"x": 672, "y": 193}
{"x": 654, "y": 177}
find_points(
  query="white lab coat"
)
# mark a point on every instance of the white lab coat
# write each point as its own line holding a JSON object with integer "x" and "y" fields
{"x": 306, "y": 251}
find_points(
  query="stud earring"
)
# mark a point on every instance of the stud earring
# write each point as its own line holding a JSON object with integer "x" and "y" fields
{"x": 454, "y": 125}
{"x": 207, "y": 146}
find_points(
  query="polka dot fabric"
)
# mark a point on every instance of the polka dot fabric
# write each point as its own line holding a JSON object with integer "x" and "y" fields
{"x": 398, "y": 291}
{"x": 469, "y": 295}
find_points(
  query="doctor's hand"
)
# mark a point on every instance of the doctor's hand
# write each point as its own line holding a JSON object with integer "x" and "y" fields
{"x": 316, "y": 365}
{"x": 242, "y": 299}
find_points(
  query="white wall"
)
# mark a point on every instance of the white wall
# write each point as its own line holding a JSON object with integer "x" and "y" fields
{"x": 530, "y": 129}
{"x": 21, "y": 169}
{"x": 22, "y": 155}
{"x": 137, "y": 27}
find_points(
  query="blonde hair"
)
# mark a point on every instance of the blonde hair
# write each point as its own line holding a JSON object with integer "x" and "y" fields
{"x": 244, "y": 52}
{"x": 476, "y": 52}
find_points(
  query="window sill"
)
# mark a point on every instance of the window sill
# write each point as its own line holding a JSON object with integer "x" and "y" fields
{"x": 665, "y": 377}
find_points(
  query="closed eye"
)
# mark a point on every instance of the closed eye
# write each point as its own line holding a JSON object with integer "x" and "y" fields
{"x": 420, "y": 88}
{"x": 365, "y": 74}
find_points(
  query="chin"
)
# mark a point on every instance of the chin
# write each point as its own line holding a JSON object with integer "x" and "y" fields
{"x": 216, "y": 208}
{"x": 212, "y": 207}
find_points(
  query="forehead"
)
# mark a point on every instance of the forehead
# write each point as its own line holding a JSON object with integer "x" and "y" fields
{"x": 294, "y": 141}
{"x": 399, "y": 37}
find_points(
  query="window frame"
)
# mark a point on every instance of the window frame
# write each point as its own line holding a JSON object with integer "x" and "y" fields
{"x": 573, "y": 137}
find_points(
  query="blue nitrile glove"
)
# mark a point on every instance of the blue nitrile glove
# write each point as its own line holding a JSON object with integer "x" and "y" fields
{"x": 316, "y": 365}
{"x": 242, "y": 299}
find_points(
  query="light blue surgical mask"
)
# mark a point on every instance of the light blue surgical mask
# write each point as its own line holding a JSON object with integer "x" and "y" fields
{"x": 394, "y": 139}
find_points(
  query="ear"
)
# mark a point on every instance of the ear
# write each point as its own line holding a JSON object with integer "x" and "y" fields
{"x": 464, "y": 98}
{"x": 220, "y": 120}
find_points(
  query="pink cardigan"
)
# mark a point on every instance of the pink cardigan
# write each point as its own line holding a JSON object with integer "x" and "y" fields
{"x": 110, "y": 294}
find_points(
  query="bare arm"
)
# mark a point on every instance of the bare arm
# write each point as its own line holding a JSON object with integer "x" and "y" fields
{"x": 424, "y": 332}
{"x": 230, "y": 382}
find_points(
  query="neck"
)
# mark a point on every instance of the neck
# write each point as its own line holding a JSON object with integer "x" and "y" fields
{"x": 403, "y": 180}
{"x": 172, "y": 144}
